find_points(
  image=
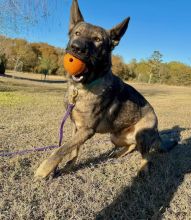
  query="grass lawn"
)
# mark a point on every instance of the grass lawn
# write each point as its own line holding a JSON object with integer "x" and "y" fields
{"x": 98, "y": 187}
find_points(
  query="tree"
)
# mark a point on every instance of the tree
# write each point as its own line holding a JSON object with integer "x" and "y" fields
{"x": 142, "y": 71}
{"x": 48, "y": 58}
{"x": 23, "y": 56}
{"x": 3, "y": 62}
{"x": 180, "y": 73}
{"x": 47, "y": 66}
{"x": 155, "y": 65}
{"x": 61, "y": 70}
{"x": 132, "y": 68}
{"x": 119, "y": 68}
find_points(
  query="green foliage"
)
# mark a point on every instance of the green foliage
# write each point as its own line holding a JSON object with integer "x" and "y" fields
{"x": 155, "y": 65}
{"x": 142, "y": 71}
{"x": 47, "y": 66}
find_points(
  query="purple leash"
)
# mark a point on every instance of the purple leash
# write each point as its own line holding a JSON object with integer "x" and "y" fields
{"x": 22, "y": 152}
{"x": 69, "y": 110}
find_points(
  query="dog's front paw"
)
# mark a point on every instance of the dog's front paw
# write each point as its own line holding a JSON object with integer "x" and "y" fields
{"x": 46, "y": 167}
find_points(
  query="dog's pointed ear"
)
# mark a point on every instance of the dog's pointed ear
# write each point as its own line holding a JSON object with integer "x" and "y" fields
{"x": 75, "y": 15}
{"x": 118, "y": 31}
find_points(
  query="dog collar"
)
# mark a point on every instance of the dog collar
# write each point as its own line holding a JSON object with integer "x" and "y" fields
{"x": 95, "y": 82}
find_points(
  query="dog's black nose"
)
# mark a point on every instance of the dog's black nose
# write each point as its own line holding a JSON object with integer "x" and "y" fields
{"x": 78, "y": 47}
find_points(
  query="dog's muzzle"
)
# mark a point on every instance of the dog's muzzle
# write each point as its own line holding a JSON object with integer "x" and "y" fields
{"x": 79, "y": 49}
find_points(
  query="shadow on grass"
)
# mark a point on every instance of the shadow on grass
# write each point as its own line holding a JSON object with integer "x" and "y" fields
{"x": 147, "y": 197}
{"x": 150, "y": 196}
{"x": 91, "y": 161}
{"x": 36, "y": 80}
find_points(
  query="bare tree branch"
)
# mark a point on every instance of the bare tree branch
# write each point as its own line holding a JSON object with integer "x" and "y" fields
{"x": 16, "y": 14}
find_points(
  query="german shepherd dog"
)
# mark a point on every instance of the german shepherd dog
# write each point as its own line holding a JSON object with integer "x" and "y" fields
{"x": 104, "y": 103}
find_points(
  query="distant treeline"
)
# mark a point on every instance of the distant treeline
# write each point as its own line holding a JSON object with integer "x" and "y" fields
{"x": 31, "y": 57}
{"x": 20, "y": 55}
{"x": 153, "y": 70}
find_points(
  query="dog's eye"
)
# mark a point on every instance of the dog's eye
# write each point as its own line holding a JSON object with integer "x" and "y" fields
{"x": 77, "y": 33}
{"x": 97, "y": 39}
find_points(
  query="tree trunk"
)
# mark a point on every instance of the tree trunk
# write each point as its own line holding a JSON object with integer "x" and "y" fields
{"x": 16, "y": 64}
{"x": 138, "y": 78}
{"x": 150, "y": 78}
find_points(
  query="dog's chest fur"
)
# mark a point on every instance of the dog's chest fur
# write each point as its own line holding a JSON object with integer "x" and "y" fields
{"x": 105, "y": 107}
{"x": 91, "y": 106}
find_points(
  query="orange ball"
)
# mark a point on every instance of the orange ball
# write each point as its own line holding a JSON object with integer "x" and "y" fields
{"x": 73, "y": 65}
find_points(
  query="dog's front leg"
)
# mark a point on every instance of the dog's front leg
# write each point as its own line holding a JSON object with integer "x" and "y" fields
{"x": 48, "y": 165}
{"x": 72, "y": 157}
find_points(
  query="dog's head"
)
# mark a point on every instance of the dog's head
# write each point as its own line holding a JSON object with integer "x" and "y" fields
{"x": 92, "y": 44}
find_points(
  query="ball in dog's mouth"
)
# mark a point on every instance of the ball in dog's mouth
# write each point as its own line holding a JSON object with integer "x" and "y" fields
{"x": 73, "y": 65}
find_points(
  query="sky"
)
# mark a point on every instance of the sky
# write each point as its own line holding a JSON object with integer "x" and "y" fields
{"x": 163, "y": 25}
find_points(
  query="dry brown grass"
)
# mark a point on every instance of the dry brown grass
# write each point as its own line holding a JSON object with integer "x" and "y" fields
{"x": 34, "y": 76}
{"x": 98, "y": 187}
